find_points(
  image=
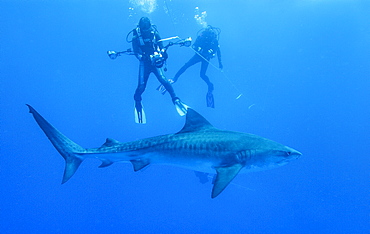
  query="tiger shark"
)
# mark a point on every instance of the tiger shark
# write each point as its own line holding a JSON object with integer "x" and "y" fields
{"x": 197, "y": 146}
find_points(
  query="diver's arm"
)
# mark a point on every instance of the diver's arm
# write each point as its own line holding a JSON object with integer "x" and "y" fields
{"x": 159, "y": 43}
{"x": 136, "y": 48}
{"x": 196, "y": 45}
{"x": 162, "y": 48}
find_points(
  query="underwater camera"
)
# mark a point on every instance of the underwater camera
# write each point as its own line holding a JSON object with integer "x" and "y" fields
{"x": 157, "y": 59}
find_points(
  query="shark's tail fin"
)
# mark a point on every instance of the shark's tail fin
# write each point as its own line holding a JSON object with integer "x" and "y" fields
{"x": 67, "y": 148}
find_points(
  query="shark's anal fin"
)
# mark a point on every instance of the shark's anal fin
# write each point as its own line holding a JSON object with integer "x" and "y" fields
{"x": 109, "y": 142}
{"x": 139, "y": 164}
{"x": 105, "y": 163}
{"x": 224, "y": 176}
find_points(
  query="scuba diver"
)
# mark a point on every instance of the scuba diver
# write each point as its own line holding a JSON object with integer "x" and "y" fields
{"x": 206, "y": 47}
{"x": 149, "y": 50}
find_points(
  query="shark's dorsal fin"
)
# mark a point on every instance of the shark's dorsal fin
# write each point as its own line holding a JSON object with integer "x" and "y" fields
{"x": 224, "y": 176}
{"x": 195, "y": 122}
{"x": 110, "y": 142}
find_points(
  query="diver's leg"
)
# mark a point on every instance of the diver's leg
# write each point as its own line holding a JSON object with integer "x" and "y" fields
{"x": 143, "y": 78}
{"x": 158, "y": 72}
{"x": 193, "y": 60}
{"x": 203, "y": 75}
{"x": 209, "y": 97}
{"x": 180, "y": 107}
{"x": 144, "y": 72}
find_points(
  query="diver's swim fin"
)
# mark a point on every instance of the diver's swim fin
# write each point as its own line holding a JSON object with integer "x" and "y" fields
{"x": 181, "y": 107}
{"x": 139, "y": 114}
{"x": 210, "y": 100}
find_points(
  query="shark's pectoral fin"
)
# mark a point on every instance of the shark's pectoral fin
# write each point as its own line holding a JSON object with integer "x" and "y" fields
{"x": 139, "y": 164}
{"x": 224, "y": 176}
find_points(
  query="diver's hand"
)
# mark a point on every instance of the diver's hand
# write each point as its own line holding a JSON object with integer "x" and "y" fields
{"x": 139, "y": 57}
{"x": 165, "y": 55}
{"x": 220, "y": 66}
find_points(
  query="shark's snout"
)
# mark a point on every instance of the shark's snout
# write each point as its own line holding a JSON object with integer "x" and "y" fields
{"x": 293, "y": 153}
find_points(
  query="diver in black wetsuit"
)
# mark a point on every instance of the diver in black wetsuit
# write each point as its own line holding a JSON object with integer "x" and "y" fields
{"x": 149, "y": 50}
{"x": 206, "y": 47}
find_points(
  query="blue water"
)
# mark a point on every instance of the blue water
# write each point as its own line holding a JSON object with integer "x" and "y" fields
{"x": 303, "y": 69}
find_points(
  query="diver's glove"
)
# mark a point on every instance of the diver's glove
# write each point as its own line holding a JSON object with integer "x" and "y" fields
{"x": 220, "y": 65}
{"x": 164, "y": 54}
{"x": 142, "y": 57}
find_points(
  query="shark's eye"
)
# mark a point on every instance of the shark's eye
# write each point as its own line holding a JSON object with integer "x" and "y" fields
{"x": 288, "y": 153}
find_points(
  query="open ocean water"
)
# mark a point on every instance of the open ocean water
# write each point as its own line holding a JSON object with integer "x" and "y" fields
{"x": 302, "y": 67}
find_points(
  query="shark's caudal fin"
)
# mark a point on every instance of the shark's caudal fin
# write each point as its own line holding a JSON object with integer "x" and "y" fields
{"x": 67, "y": 148}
